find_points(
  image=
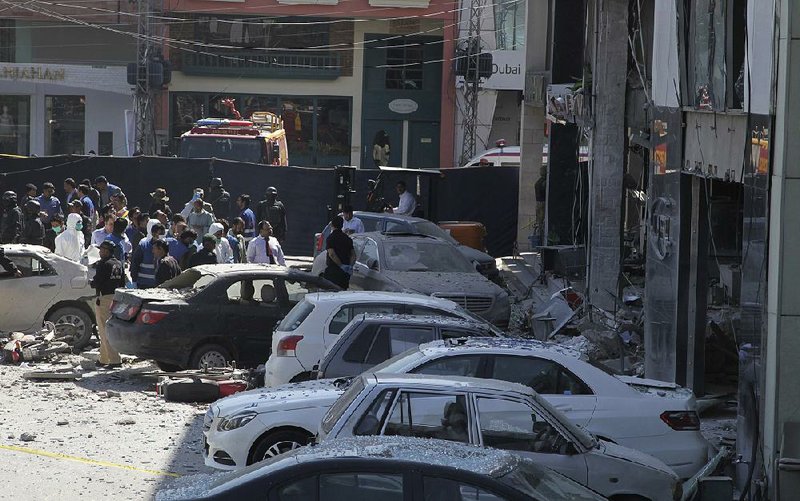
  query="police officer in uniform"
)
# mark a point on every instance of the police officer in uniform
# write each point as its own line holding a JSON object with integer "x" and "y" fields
{"x": 109, "y": 277}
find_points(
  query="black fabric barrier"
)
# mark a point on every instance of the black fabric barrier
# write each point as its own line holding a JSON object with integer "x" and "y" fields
{"x": 484, "y": 194}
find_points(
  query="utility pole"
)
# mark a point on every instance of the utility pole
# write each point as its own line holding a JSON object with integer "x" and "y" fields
{"x": 607, "y": 169}
{"x": 472, "y": 79}
{"x": 145, "y": 92}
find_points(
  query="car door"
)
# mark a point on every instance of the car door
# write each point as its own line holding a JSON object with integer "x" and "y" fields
{"x": 26, "y": 299}
{"x": 250, "y": 323}
{"x": 366, "y": 271}
{"x": 513, "y": 425}
{"x": 560, "y": 387}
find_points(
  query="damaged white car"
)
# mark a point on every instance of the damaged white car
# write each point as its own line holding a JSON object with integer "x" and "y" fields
{"x": 500, "y": 415}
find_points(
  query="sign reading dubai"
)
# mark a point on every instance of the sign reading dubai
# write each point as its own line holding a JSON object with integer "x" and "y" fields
{"x": 508, "y": 70}
{"x": 31, "y": 73}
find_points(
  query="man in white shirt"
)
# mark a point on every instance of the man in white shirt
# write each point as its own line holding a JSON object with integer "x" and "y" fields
{"x": 265, "y": 248}
{"x": 408, "y": 203}
{"x": 352, "y": 224}
{"x": 100, "y": 234}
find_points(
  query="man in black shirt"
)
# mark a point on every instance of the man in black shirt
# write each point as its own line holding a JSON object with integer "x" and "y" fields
{"x": 206, "y": 254}
{"x": 109, "y": 277}
{"x": 167, "y": 267}
{"x": 272, "y": 210}
{"x": 341, "y": 255}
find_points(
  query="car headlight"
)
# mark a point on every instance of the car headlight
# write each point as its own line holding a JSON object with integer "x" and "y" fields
{"x": 235, "y": 421}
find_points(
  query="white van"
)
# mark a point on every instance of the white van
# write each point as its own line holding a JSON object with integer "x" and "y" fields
{"x": 509, "y": 156}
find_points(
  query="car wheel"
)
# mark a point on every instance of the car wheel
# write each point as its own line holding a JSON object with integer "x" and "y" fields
{"x": 166, "y": 367}
{"x": 210, "y": 355}
{"x": 79, "y": 319}
{"x": 276, "y": 443}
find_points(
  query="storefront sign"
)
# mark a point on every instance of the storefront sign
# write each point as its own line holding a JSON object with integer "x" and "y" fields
{"x": 31, "y": 73}
{"x": 508, "y": 70}
{"x": 403, "y": 106}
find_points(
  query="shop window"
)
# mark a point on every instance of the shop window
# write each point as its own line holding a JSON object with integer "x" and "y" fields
{"x": 298, "y": 121}
{"x": 15, "y": 125}
{"x": 65, "y": 125}
{"x": 105, "y": 143}
{"x": 8, "y": 46}
{"x": 333, "y": 131}
{"x": 404, "y": 67}
{"x": 509, "y": 21}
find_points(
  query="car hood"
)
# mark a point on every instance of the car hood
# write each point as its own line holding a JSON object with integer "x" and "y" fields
{"x": 474, "y": 254}
{"x": 445, "y": 283}
{"x": 292, "y": 396}
{"x": 634, "y": 456}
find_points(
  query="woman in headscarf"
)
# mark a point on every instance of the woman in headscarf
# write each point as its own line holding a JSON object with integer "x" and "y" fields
{"x": 69, "y": 243}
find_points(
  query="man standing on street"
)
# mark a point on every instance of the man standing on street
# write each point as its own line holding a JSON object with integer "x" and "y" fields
{"x": 236, "y": 240}
{"x": 219, "y": 199}
{"x": 166, "y": 266}
{"x": 199, "y": 219}
{"x": 206, "y": 254}
{"x": 105, "y": 189}
{"x": 265, "y": 248}
{"x": 352, "y": 224}
{"x": 109, "y": 277}
{"x": 50, "y": 205}
{"x": 341, "y": 255}
{"x": 70, "y": 192}
{"x": 123, "y": 245}
{"x": 408, "y": 204}
{"x": 30, "y": 194}
{"x": 33, "y": 229}
{"x": 246, "y": 213}
{"x": 272, "y": 210}
{"x": 143, "y": 268}
{"x": 10, "y": 220}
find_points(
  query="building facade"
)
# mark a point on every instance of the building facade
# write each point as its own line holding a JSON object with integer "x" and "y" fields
{"x": 339, "y": 74}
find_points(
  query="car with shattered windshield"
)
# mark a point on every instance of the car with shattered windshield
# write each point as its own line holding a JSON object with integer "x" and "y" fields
{"x": 500, "y": 415}
{"x": 426, "y": 265}
{"x": 208, "y": 316}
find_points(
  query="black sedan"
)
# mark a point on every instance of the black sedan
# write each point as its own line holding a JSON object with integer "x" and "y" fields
{"x": 385, "y": 469}
{"x": 209, "y": 316}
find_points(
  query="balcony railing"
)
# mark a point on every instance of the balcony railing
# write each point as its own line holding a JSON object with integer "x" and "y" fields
{"x": 263, "y": 64}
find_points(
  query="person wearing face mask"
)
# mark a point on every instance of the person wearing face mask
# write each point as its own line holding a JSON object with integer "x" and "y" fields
{"x": 143, "y": 269}
{"x": 69, "y": 243}
{"x": 50, "y": 234}
{"x": 76, "y": 207}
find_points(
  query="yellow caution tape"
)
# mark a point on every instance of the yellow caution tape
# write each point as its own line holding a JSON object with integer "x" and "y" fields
{"x": 57, "y": 455}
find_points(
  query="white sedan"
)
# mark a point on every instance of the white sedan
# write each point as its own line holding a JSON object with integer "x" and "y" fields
{"x": 254, "y": 425}
{"x": 500, "y": 415}
{"x": 651, "y": 416}
{"x": 51, "y": 288}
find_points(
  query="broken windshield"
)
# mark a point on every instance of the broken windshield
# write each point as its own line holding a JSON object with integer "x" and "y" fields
{"x": 425, "y": 256}
{"x": 191, "y": 278}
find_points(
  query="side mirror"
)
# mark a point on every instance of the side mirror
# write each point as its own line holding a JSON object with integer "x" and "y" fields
{"x": 372, "y": 263}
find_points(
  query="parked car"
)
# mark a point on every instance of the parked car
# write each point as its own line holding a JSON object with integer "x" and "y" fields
{"x": 314, "y": 324}
{"x": 426, "y": 265}
{"x": 387, "y": 469}
{"x": 654, "y": 417}
{"x": 370, "y": 339}
{"x": 51, "y": 288}
{"x": 385, "y": 222}
{"x": 208, "y": 316}
{"x": 496, "y": 414}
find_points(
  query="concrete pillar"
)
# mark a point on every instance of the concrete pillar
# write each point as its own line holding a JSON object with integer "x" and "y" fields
{"x": 532, "y": 122}
{"x": 608, "y": 152}
{"x": 782, "y": 350}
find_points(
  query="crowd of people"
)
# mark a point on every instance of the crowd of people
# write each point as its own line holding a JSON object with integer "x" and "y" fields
{"x": 204, "y": 231}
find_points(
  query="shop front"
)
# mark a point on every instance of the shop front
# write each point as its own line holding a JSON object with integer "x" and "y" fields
{"x": 48, "y": 109}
